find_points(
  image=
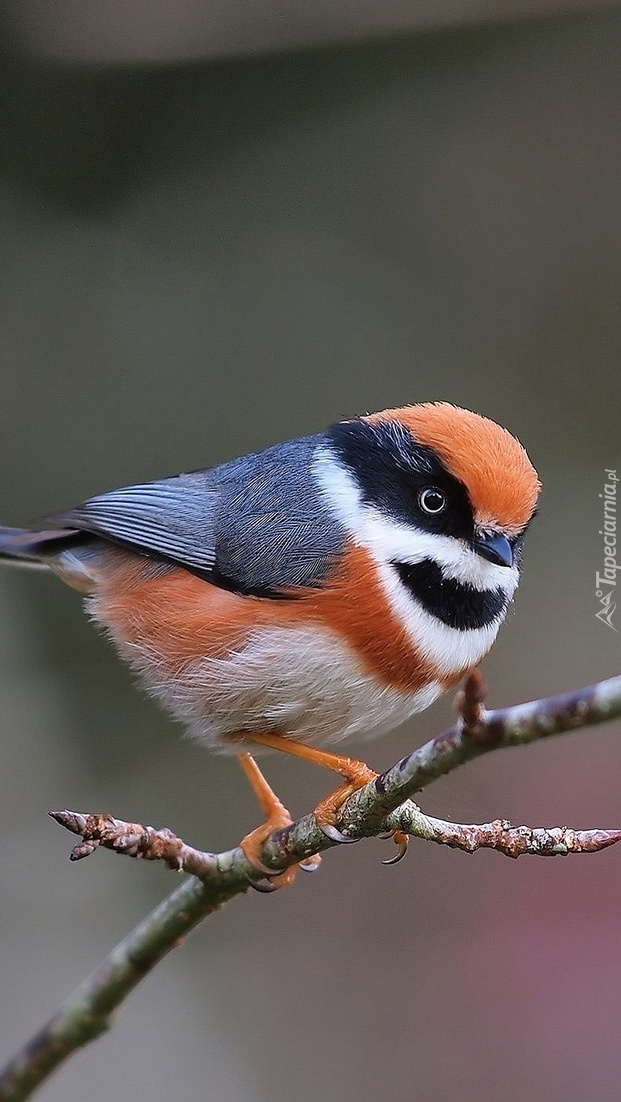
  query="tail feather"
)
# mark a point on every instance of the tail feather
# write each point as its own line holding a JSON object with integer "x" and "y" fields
{"x": 72, "y": 555}
{"x": 22, "y": 547}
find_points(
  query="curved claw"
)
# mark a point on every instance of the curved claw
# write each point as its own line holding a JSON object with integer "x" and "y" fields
{"x": 310, "y": 864}
{"x": 402, "y": 842}
{"x": 335, "y": 835}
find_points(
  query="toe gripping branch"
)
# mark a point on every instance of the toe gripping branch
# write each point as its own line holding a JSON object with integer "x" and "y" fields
{"x": 355, "y": 774}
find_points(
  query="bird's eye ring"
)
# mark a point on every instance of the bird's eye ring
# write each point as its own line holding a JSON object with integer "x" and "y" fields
{"x": 432, "y": 500}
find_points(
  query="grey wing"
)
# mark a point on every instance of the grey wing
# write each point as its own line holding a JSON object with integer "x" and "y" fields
{"x": 255, "y": 525}
{"x": 172, "y": 518}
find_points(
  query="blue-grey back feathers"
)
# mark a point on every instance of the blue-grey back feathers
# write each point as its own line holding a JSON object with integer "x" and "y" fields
{"x": 256, "y": 525}
{"x": 172, "y": 518}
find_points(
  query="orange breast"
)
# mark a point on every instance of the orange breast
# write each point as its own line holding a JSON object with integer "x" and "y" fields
{"x": 182, "y": 618}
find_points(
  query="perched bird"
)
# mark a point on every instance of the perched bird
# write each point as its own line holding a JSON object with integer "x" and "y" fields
{"x": 325, "y": 588}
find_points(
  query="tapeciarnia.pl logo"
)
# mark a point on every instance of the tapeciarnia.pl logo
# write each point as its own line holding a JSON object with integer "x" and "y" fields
{"x": 606, "y": 582}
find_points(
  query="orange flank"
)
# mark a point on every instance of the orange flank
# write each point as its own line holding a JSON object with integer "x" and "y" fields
{"x": 181, "y": 617}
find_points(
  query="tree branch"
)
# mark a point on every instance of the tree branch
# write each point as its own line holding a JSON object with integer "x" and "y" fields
{"x": 382, "y": 805}
{"x": 88, "y": 1011}
{"x": 502, "y": 836}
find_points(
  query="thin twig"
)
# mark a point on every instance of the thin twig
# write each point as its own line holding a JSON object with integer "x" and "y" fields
{"x": 150, "y": 844}
{"x": 501, "y": 836}
{"x": 384, "y": 804}
{"x": 135, "y": 840}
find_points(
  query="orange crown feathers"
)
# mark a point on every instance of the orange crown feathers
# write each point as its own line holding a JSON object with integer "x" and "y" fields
{"x": 500, "y": 479}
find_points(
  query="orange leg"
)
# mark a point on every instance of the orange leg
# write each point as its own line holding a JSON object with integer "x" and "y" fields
{"x": 276, "y": 818}
{"x": 354, "y": 773}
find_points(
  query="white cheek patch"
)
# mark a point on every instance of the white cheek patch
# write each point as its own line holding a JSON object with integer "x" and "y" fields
{"x": 449, "y": 649}
{"x": 393, "y": 541}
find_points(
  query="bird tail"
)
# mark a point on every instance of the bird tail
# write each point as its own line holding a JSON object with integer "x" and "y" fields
{"x": 64, "y": 551}
{"x": 22, "y": 547}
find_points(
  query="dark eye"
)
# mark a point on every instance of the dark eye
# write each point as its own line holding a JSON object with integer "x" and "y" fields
{"x": 432, "y": 500}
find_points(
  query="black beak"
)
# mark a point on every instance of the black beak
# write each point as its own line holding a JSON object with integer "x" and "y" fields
{"x": 494, "y": 548}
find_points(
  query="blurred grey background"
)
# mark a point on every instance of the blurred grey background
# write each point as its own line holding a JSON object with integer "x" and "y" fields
{"x": 204, "y": 252}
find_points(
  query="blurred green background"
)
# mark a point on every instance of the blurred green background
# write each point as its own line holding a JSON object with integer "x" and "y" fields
{"x": 199, "y": 259}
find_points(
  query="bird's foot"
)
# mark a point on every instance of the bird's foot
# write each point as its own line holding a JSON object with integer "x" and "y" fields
{"x": 252, "y": 848}
{"x": 276, "y": 818}
{"x": 355, "y": 774}
{"x": 401, "y": 840}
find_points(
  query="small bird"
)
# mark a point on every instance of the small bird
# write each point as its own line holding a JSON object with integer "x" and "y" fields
{"x": 326, "y": 588}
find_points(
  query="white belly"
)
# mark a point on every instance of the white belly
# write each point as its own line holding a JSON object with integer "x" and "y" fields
{"x": 284, "y": 681}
